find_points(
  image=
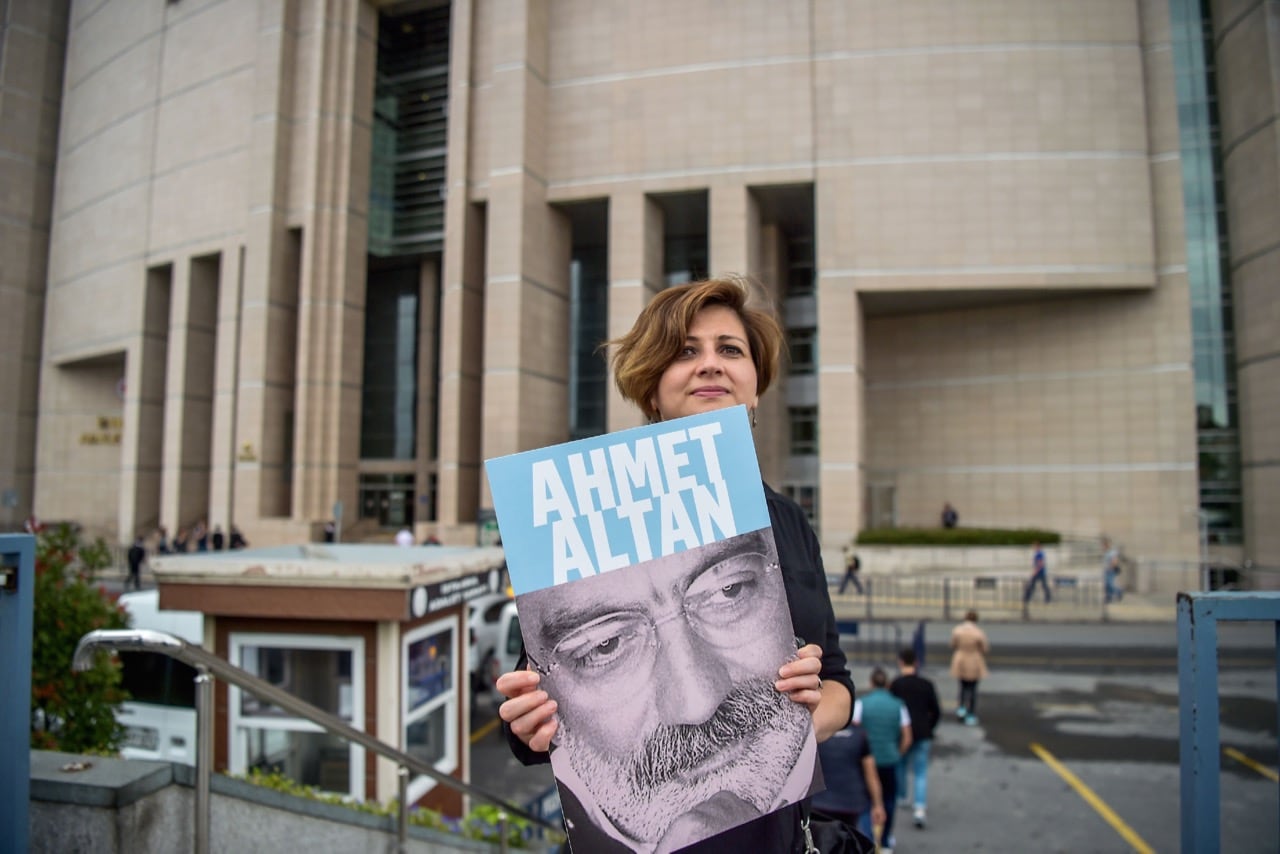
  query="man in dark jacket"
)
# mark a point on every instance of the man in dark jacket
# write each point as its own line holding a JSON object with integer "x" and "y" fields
{"x": 921, "y": 700}
{"x": 137, "y": 554}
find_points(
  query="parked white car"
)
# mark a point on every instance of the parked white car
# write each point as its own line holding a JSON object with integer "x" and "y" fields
{"x": 160, "y": 717}
{"x": 495, "y": 639}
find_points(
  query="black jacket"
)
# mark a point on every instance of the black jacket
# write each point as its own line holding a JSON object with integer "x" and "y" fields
{"x": 922, "y": 703}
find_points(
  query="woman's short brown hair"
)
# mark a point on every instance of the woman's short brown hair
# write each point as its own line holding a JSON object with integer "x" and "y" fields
{"x": 640, "y": 357}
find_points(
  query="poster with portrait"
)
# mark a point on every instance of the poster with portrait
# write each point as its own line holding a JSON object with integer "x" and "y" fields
{"x": 651, "y": 601}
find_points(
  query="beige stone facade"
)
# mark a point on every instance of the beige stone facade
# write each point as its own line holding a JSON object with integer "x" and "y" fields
{"x": 993, "y": 190}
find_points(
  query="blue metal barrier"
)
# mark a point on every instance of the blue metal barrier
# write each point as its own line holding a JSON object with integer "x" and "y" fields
{"x": 1200, "y": 747}
{"x": 17, "y": 600}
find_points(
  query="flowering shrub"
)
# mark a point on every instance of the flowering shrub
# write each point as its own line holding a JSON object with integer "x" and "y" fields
{"x": 482, "y": 823}
{"x": 72, "y": 712}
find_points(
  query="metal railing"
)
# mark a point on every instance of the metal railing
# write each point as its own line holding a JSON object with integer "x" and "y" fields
{"x": 950, "y": 596}
{"x": 1198, "y": 714}
{"x": 209, "y": 666}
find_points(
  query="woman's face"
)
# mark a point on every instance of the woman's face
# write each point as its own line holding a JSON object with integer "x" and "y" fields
{"x": 713, "y": 370}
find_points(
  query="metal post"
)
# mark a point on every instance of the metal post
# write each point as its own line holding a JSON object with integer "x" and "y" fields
{"x": 946, "y": 599}
{"x": 1198, "y": 721}
{"x": 402, "y": 821}
{"x": 204, "y": 756}
{"x": 871, "y": 594}
{"x": 17, "y": 609}
{"x": 502, "y": 832}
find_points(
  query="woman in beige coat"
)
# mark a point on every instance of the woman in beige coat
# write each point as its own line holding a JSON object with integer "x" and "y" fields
{"x": 969, "y": 664}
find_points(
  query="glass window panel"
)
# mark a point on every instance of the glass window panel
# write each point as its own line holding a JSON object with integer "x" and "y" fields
{"x": 804, "y": 429}
{"x": 310, "y": 758}
{"x": 1208, "y": 273}
{"x": 430, "y": 668}
{"x": 803, "y": 345}
{"x": 425, "y": 738}
{"x": 322, "y": 677}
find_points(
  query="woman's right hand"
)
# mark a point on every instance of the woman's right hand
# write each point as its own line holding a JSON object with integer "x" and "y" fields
{"x": 528, "y": 710}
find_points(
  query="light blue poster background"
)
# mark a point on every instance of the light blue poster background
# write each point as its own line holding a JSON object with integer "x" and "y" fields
{"x": 570, "y": 511}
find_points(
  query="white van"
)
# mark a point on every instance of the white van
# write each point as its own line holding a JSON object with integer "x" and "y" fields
{"x": 160, "y": 716}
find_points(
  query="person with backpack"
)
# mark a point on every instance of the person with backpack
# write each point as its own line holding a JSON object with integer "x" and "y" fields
{"x": 851, "y": 567}
{"x": 888, "y": 725}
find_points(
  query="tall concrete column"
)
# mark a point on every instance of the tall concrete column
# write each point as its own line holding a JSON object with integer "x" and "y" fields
{"x": 226, "y": 383}
{"x": 171, "y": 512}
{"x": 841, "y": 374}
{"x": 1247, "y": 47}
{"x": 841, "y": 428}
{"x": 33, "y": 41}
{"x": 734, "y": 231}
{"x": 143, "y": 435}
{"x": 526, "y": 354}
{"x": 266, "y": 355}
{"x": 635, "y": 275}
{"x": 461, "y": 306}
{"x": 331, "y": 297}
{"x": 188, "y": 410}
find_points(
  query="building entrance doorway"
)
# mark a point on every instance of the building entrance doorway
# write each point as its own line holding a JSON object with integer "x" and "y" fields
{"x": 387, "y": 498}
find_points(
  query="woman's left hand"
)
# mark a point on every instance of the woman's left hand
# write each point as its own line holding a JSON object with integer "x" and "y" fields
{"x": 799, "y": 678}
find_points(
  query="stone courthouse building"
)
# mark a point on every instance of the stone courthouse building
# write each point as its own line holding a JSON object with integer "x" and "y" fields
{"x": 263, "y": 256}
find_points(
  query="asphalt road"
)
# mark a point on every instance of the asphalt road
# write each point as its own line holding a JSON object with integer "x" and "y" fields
{"x": 1077, "y": 748}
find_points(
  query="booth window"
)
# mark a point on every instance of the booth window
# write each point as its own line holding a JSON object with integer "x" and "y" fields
{"x": 327, "y": 672}
{"x": 429, "y": 699}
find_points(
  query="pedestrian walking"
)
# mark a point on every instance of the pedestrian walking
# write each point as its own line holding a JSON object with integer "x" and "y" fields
{"x": 888, "y": 726}
{"x": 1039, "y": 575}
{"x": 136, "y": 555}
{"x": 1110, "y": 571}
{"x": 969, "y": 664}
{"x": 921, "y": 699}
{"x": 217, "y": 539}
{"x": 851, "y": 566}
{"x": 852, "y": 792}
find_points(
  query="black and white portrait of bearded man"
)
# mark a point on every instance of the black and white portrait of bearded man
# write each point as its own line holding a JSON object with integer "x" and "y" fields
{"x": 670, "y": 727}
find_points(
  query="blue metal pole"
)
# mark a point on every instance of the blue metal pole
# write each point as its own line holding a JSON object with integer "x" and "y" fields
{"x": 17, "y": 601}
{"x": 1198, "y": 724}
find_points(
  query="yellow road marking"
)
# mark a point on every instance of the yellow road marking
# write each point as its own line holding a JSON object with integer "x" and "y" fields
{"x": 1091, "y": 798}
{"x": 485, "y": 730}
{"x": 1245, "y": 760}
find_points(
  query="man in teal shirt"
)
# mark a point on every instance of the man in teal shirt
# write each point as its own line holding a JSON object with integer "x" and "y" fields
{"x": 888, "y": 726}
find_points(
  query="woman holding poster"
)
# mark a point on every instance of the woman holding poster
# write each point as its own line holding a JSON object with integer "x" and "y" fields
{"x": 695, "y": 349}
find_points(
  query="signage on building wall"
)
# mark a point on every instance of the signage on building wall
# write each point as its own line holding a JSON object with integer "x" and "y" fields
{"x": 247, "y": 454}
{"x": 444, "y": 594}
{"x": 109, "y": 432}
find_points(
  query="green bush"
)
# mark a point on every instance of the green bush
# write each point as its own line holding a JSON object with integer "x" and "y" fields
{"x": 72, "y": 712}
{"x": 957, "y": 537}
